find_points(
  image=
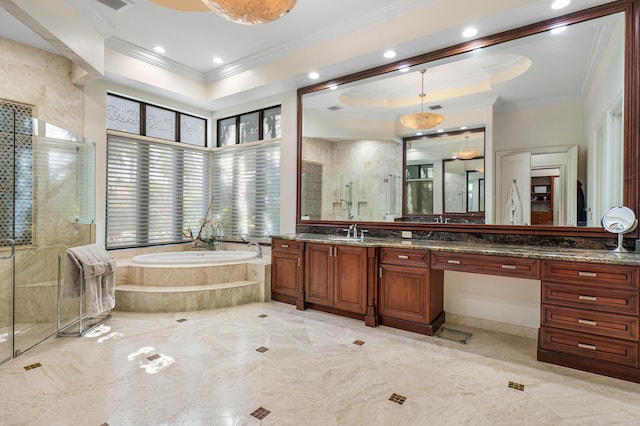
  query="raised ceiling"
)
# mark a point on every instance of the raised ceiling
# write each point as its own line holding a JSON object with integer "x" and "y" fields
{"x": 333, "y": 37}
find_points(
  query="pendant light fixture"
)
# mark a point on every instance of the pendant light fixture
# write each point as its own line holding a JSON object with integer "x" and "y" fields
{"x": 464, "y": 153}
{"x": 422, "y": 120}
{"x": 250, "y": 12}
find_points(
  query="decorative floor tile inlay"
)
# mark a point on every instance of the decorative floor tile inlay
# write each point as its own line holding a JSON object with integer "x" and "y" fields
{"x": 181, "y": 320}
{"x": 32, "y": 366}
{"x": 153, "y": 357}
{"x": 516, "y": 386}
{"x": 358, "y": 342}
{"x": 398, "y": 399}
{"x": 260, "y": 413}
{"x": 263, "y": 316}
{"x": 262, "y": 349}
{"x": 455, "y": 335}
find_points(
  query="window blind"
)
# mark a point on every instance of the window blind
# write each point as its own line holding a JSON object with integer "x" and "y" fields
{"x": 246, "y": 190}
{"x": 153, "y": 191}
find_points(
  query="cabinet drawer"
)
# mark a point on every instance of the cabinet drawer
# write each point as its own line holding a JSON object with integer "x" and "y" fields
{"x": 486, "y": 264}
{"x": 608, "y": 325}
{"x": 610, "y": 276}
{"x": 419, "y": 258}
{"x": 288, "y": 245}
{"x": 603, "y": 299}
{"x": 589, "y": 346}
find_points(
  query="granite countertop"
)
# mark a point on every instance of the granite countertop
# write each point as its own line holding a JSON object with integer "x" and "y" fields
{"x": 524, "y": 251}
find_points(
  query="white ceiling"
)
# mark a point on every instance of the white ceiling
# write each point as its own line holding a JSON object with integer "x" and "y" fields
{"x": 192, "y": 39}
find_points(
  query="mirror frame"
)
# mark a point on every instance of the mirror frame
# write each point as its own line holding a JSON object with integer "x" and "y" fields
{"x": 405, "y": 140}
{"x": 631, "y": 136}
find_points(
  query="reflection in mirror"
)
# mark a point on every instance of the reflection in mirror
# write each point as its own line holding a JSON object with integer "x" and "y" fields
{"x": 536, "y": 97}
{"x": 445, "y": 174}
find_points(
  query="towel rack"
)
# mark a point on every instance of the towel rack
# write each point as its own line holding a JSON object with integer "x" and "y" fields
{"x": 83, "y": 328}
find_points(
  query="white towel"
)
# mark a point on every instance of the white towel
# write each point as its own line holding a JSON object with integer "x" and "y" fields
{"x": 513, "y": 207}
{"x": 98, "y": 280}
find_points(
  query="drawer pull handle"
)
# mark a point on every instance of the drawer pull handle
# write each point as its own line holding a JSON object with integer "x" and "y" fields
{"x": 453, "y": 261}
{"x": 587, "y": 274}
{"x": 402, "y": 256}
{"x": 589, "y": 298}
{"x": 509, "y": 267}
{"x": 585, "y": 346}
{"x": 587, "y": 322}
{"x": 285, "y": 246}
{"x": 298, "y": 262}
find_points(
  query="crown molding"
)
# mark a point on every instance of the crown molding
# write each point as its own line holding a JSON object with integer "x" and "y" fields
{"x": 154, "y": 59}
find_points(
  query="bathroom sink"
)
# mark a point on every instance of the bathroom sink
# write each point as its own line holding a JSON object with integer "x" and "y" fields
{"x": 349, "y": 239}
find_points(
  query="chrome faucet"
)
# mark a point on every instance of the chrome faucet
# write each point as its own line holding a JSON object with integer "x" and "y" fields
{"x": 353, "y": 230}
{"x": 253, "y": 243}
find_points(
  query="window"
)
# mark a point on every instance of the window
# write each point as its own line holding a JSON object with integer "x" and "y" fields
{"x": 16, "y": 173}
{"x": 154, "y": 190}
{"x": 140, "y": 118}
{"x": 246, "y": 190}
{"x": 249, "y": 127}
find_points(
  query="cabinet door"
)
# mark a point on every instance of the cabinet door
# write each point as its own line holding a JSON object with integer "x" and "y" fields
{"x": 404, "y": 293}
{"x": 350, "y": 278}
{"x": 285, "y": 273}
{"x": 318, "y": 274}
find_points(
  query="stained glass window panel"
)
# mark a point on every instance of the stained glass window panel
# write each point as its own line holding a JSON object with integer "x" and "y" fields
{"x": 271, "y": 123}
{"x": 227, "y": 132}
{"x": 249, "y": 127}
{"x": 161, "y": 123}
{"x": 193, "y": 130}
{"x": 123, "y": 114}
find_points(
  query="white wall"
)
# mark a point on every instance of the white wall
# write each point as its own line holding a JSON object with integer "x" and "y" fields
{"x": 502, "y": 299}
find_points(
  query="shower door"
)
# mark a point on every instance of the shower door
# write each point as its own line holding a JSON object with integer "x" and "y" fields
{"x": 7, "y": 269}
{"x": 47, "y": 190}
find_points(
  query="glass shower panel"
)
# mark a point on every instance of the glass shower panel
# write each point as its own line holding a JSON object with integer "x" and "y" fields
{"x": 63, "y": 174}
{"x": 6, "y": 301}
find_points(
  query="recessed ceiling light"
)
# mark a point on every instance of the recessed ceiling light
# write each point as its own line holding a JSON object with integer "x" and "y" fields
{"x": 314, "y": 75}
{"x": 440, "y": 130}
{"x": 333, "y": 87}
{"x": 418, "y": 133}
{"x": 159, "y": 49}
{"x": 217, "y": 60}
{"x": 463, "y": 127}
{"x": 389, "y": 54}
{"x": 469, "y": 32}
{"x": 404, "y": 69}
{"x": 559, "y": 4}
{"x": 558, "y": 30}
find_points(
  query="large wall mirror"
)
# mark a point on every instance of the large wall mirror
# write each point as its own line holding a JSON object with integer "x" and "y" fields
{"x": 544, "y": 118}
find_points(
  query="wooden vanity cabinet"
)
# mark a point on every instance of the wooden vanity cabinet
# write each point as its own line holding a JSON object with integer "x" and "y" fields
{"x": 335, "y": 277}
{"x": 590, "y": 317}
{"x": 286, "y": 270}
{"x": 410, "y": 293}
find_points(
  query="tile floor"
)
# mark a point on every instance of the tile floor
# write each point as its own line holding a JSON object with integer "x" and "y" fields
{"x": 204, "y": 368}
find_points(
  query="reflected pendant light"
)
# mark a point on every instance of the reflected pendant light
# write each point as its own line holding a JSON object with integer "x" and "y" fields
{"x": 422, "y": 120}
{"x": 250, "y": 12}
{"x": 464, "y": 153}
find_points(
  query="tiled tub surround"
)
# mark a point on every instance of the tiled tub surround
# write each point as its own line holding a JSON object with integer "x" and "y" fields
{"x": 150, "y": 288}
{"x": 590, "y": 310}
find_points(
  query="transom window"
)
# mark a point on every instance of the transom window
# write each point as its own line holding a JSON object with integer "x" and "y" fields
{"x": 140, "y": 118}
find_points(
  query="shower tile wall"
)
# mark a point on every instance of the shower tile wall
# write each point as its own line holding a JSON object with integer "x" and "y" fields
{"x": 312, "y": 181}
{"x": 345, "y": 161}
{"x": 31, "y": 76}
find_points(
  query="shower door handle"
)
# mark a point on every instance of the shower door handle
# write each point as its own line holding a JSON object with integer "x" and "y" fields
{"x": 13, "y": 250}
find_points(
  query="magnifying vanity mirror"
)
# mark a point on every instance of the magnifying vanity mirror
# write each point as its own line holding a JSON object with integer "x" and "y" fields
{"x": 619, "y": 220}
{"x": 548, "y": 110}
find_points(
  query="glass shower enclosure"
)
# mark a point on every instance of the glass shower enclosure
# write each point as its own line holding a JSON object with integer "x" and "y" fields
{"x": 47, "y": 204}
